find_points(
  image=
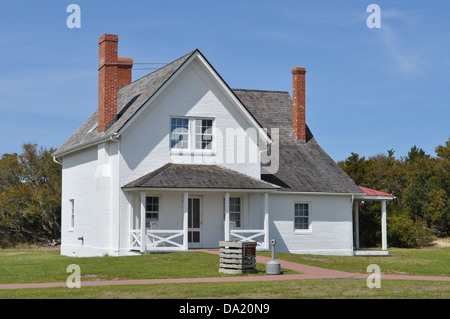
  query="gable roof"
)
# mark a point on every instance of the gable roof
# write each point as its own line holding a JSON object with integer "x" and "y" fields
{"x": 130, "y": 99}
{"x": 198, "y": 176}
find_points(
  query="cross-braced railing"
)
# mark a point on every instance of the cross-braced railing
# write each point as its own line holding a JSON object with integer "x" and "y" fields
{"x": 258, "y": 235}
{"x": 164, "y": 239}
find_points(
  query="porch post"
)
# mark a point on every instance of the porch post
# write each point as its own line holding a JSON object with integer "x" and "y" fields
{"x": 185, "y": 220}
{"x": 356, "y": 223}
{"x": 227, "y": 217}
{"x": 383, "y": 225}
{"x": 143, "y": 234}
{"x": 266, "y": 220}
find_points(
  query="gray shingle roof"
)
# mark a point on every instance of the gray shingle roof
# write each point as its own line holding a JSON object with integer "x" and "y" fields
{"x": 198, "y": 176}
{"x": 303, "y": 167}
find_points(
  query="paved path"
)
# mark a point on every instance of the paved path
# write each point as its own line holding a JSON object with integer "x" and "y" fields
{"x": 307, "y": 272}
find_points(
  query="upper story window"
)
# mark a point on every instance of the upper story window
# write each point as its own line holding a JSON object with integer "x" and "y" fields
{"x": 179, "y": 133}
{"x": 191, "y": 133}
{"x": 203, "y": 134}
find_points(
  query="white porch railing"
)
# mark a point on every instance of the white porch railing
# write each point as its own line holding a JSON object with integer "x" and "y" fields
{"x": 157, "y": 240}
{"x": 250, "y": 235}
{"x": 136, "y": 239}
{"x": 164, "y": 240}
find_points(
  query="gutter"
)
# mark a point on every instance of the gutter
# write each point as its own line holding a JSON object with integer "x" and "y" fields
{"x": 86, "y": 144}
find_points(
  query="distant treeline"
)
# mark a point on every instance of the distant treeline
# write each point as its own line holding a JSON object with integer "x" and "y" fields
{"x": 421, "y": 186}
{"x": 30, "y": 197}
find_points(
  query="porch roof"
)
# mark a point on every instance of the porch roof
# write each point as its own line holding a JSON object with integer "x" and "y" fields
{"x": 374, "y": 194}
{"x": 198, "y": 176}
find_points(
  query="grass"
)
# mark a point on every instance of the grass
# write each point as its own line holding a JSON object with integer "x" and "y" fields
{"x": 292, "y": 289}
{"x": 37, "y": 265}
{"x": 425, "y": 261}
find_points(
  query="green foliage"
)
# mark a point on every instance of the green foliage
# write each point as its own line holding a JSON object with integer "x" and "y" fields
{"x": 421, "y": 186}
{"x": 30, "y": 196}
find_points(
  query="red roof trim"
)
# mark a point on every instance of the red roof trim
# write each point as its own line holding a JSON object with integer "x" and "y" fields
{"x": 373, "y": 192}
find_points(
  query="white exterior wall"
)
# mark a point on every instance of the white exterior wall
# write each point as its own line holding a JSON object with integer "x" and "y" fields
{"x": 145, "y": 145}
{"x": 331, "y": 230}
{"x": 90, "y": 179}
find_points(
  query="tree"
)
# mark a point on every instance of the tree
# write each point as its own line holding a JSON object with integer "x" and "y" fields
{"x": 30, "y": 195}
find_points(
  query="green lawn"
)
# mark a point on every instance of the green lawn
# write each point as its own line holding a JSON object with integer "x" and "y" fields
{"x": 424, "y": 261}
{"x": 35, "y": 266}
{"x": 43, "y": 265}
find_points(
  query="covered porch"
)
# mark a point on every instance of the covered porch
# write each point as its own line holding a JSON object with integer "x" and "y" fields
{"x": 371, "y": 195}
{"x": 177, "y": 214}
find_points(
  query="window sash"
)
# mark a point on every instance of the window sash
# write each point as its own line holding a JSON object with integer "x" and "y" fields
{"x": 72, "y": 214}
{"x": 191, "y": 133}
{"x": 301, "y": 216}
{"x": 235, "y": 210}
{"x": 152, "y": 207}
{"x": 179, "y": 133}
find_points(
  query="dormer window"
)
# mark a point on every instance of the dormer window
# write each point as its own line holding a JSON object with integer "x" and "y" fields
{"x": 191, "y": 133}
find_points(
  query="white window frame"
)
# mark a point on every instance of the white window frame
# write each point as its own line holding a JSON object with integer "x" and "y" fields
{"x": 149, "y": 226}
{"x": 72, "y": 215}
{"x": 235, "y": 213}
{"x": 306, "y": 230}
{"x": 192, "y": 147}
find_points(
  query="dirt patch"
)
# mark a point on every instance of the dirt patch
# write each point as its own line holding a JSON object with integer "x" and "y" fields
{"x": 442, "y": 242}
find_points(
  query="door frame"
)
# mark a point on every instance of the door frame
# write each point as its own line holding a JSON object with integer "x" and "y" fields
{"x": 199, "y": 229}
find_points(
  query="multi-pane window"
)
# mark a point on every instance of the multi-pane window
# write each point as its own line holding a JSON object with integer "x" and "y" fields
{"x": 179, "y": 133}
{"x": 151, "y": 210}
{"x": 235, "y": 211}
{"x": 301, "y": 219}
{"x": 191, "y": 133}
{"x": 203, "y": 134}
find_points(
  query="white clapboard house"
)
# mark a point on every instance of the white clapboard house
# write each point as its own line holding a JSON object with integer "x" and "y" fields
{"x": 178, "y": 160}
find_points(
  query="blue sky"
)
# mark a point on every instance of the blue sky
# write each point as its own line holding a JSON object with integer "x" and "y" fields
{"x": 367, "y": 90}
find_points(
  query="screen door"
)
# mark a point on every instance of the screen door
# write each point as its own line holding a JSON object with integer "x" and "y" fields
{"x": 194, "y": 223}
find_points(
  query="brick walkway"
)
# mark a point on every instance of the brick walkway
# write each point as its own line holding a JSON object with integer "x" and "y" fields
{"x": 307, "y": 272}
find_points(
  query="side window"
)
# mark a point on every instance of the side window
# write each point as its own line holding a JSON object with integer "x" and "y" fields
{"x": 72, "y": 214}
{"x": 301, "y": 216}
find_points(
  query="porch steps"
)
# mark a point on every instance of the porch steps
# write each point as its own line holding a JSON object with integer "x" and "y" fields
{"x": 370, "y": 252}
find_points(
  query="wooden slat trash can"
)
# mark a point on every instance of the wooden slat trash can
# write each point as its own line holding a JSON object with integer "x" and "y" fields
{"x": 237, "y": 257}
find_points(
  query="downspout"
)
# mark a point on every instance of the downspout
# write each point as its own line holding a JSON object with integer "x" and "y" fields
{"x": 114, "y": 138}
{"x": 54, "y": 160}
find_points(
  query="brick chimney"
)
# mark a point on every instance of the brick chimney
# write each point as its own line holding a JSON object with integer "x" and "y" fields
{"x": 298, "y": 93}
{"x": 113, "y": 72}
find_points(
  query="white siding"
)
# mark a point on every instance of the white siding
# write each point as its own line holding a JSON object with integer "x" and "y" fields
{"x": 330, "y": 230}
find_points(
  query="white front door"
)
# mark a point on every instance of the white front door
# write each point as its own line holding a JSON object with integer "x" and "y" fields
{"x": 194, "y": 223}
